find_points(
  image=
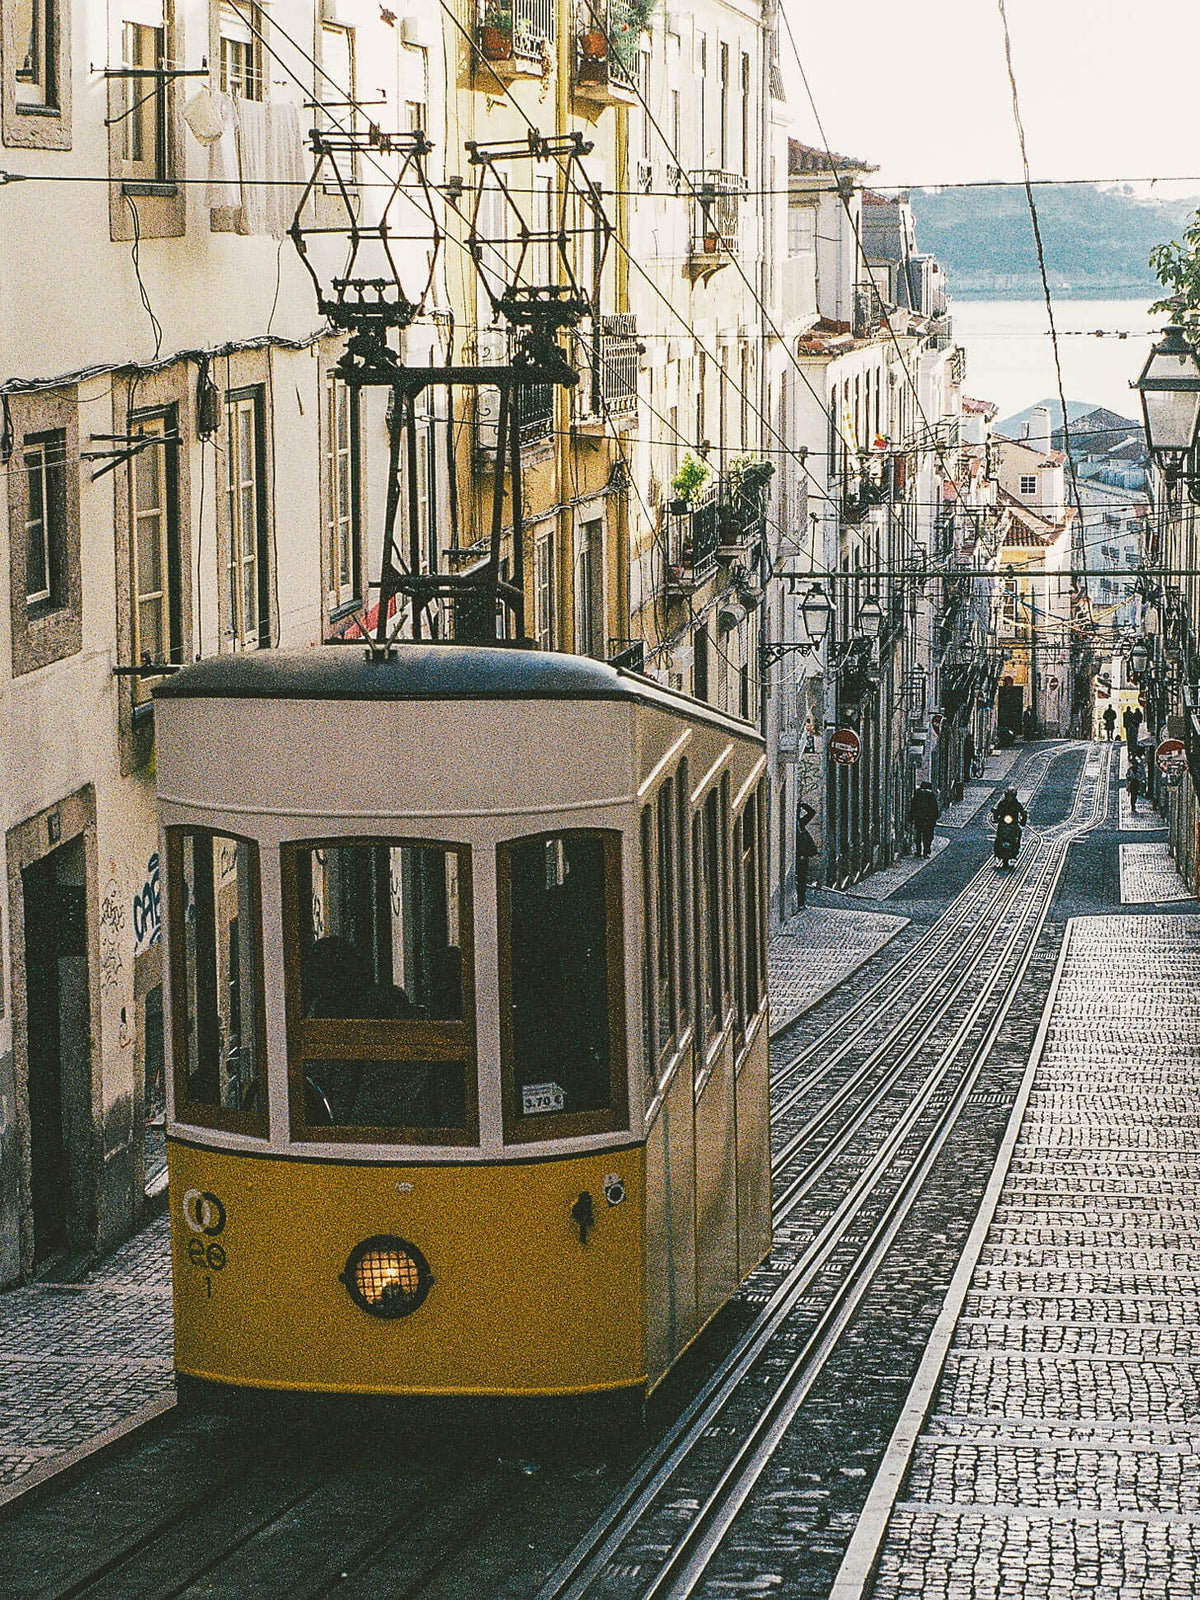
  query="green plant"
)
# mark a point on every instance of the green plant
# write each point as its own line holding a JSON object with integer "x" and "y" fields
{"x": 747, "y": 476}
{"x": 498, "y": 15}
{"x": 1177, "y": 267}
{"x": 690, "y": 477}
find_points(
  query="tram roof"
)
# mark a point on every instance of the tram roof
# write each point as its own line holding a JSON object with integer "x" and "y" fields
{"x": 420, "y": 672}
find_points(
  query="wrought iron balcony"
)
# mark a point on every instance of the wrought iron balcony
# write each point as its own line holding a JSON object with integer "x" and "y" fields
{"x": 607, "y": 39}
{"x": 716, "y": 217}
{"x": 741, "y": 518}
{"x": 692, "y": 542}
{"x": 515, "y": 34}
{"x": 609, "y": 388}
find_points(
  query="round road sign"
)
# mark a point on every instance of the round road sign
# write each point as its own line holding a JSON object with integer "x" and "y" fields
{"x": 1054, "y": 683}
{"x": 844, "y": 747}
{"x": 1171, "y": 759}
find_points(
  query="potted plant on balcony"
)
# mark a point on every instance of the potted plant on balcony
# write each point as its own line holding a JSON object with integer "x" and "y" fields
{"x": 690, "y": 477}
{"x": 745, "y": 480}
{"x": 496, "y": 32}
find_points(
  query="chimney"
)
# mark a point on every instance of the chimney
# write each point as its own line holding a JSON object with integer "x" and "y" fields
{"x": 1039, "y": 429}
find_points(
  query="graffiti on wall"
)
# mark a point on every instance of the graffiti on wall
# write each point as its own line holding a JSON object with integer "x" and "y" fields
{"x": 147, "y": 909}
{"x": 112, "y": 922}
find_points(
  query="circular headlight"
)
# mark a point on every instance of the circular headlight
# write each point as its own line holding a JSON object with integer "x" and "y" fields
{"x": 387, "y": 1277}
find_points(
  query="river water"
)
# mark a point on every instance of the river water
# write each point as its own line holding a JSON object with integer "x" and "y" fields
{"x": 1010, "y": 359}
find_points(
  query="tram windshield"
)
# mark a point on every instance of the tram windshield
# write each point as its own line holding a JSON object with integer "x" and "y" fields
{"x": 561, "y": 977}
{"x": 216, "y": 982}
{"x": 379, "y": 1001}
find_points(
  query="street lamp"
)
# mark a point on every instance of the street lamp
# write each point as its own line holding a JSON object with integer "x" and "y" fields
{"x": 870, "y": 617}
{"x": 1139, "y": 659}
{"x": 816, "y": 609}
{"x": 1170, "y": 389}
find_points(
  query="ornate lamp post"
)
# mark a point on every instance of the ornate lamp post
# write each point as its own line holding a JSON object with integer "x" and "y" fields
{"x": 1170, "y": 389}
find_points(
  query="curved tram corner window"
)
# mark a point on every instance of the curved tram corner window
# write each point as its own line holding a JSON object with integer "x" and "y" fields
{"x": 380, "y": 999}
{"x": 216, "y": 980}
{"x": 562, "y": 1003}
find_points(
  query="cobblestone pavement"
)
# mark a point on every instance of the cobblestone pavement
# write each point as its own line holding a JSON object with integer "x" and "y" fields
{"x": 1061, "y": 1453}
{"x": 77, "y": 1358}
{"x": 1149, "y": 876}
{"x": 965, "y": 810}
{"x": 885, "y": 882}
{"x": 819, "y": 948}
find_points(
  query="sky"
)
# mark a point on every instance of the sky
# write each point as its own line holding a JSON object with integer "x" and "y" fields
{"x": 1107, "y": 87}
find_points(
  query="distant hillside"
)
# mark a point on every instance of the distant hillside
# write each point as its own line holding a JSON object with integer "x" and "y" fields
{"x": 1097, "y": 241}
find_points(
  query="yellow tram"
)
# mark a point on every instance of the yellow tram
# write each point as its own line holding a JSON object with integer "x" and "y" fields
{"x": 466, "y": 963}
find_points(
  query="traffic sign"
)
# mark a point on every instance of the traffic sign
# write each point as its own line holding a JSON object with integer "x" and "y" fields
{"x": 1171, "y": 760}
{"x": 1054, "y": 683}
{"x": 936, "y": 720}
{"x": 844, "y": 747}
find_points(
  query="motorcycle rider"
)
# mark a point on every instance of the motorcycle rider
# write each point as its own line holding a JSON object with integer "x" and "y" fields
{"x": 1010, "y": 816}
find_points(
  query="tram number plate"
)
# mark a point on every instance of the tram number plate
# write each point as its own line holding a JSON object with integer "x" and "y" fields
{"x": 539, "y": 1097}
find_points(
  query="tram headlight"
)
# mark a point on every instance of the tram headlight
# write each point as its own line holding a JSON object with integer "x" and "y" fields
{"x": 387, "y": 1277}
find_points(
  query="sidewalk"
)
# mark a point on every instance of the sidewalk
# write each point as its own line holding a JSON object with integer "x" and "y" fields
{"x": 1050, "y": 1445}
{"x": 818, "y": 949}
{"x": 76, "y": 1359}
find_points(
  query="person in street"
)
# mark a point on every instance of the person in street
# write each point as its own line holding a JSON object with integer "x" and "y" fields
{"x": 806, "y": 849}
{"x": 1029, "y": 723}
{"x": 1009, "y": 806}
{"x": 968, "y": 755}
{"x": 1109, "y": 719}
{"x": 1132, "y": 723}
{"x": 1133, "y": 783}
{"x": 923, "y": 812}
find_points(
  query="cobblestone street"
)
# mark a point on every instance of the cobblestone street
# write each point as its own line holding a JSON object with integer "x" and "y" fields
{"x": 78, "y": 1358}
{"x": 1061, "y": 1453}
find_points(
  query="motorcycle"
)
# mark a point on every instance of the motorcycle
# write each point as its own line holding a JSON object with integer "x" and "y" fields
{"x": 1008, "y": 839}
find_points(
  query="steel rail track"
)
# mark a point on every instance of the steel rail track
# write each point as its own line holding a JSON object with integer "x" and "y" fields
{"x": 901, "y": 978}
{"x": 995, "y": 907}
{"x": 684, "y": 1564}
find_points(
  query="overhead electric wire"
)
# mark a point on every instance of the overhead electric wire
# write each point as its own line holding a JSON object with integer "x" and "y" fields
{"x": 1037, "y": 240}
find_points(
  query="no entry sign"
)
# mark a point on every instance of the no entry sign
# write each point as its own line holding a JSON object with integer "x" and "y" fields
{"x": 1171, "y": 759}
{"x": 844, "y": 747}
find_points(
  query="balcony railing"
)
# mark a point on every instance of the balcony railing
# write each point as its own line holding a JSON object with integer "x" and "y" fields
{"x": 535, "y": 412}
{"x": 607, "y": 39}
{"x": 515, "y": 30}
{"x": 742, "y": 518}
{"x": 716, "y": 214}
{"x": 615, "y": 366}
{"x": 692, "y": 542}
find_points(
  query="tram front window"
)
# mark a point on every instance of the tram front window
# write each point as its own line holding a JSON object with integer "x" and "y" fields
{"x": 216, "y": 979}
{"x": 561, "y": 974}
{"x": 379, "y": 1003}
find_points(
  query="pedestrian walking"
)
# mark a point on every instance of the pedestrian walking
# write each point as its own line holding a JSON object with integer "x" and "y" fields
{"x": 968, "y": 755}
{"x": 923, "y": 812}
{"x": 1133, "y": 782}
{"x": 1109, "y": 719}
{"x": 1029, "y": 723}
{"x": 806, "y": 849}
{"x": 1131, "y": 721}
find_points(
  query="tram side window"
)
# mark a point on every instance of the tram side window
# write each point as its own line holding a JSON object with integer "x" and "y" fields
{"x": 749, "y": 886}
{"x": 714, "y": 911}
{"x": 665, "y": 920}
{"x": 216, "y": 979}
{"x": 380, "y": 1012}
{"x": 561, "y": 977}
{"x": 683, "y": 927}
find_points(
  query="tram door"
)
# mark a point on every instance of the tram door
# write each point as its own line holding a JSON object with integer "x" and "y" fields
{"x": 59, "y": 1044}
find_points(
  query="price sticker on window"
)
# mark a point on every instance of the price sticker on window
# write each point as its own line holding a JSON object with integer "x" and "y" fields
{"x": 541, "y": 1097}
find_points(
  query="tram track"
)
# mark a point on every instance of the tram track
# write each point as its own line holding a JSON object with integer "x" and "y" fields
{"x": 902, "y": 977}
{"x": 383, "y": 1541}
{"x": 674, "y": 1565}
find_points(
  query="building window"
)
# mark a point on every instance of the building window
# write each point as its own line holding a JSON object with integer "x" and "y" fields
{"x": 246, "y": 562}
{"x": 343, "y": 555}
{"x": 747, "y": 108}
{"x": 145, "y": 154}
{"x": 44, "y": 459}
{"x": 154, "y": 557}
{"x": 1029, "y": 483}
{"x": 724, "y": 130}
{"x": 37, "y": 54}
{"x": 241, "y": 50}
{"x": 589, "y": 571}
{"x": 543, "y": 591}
